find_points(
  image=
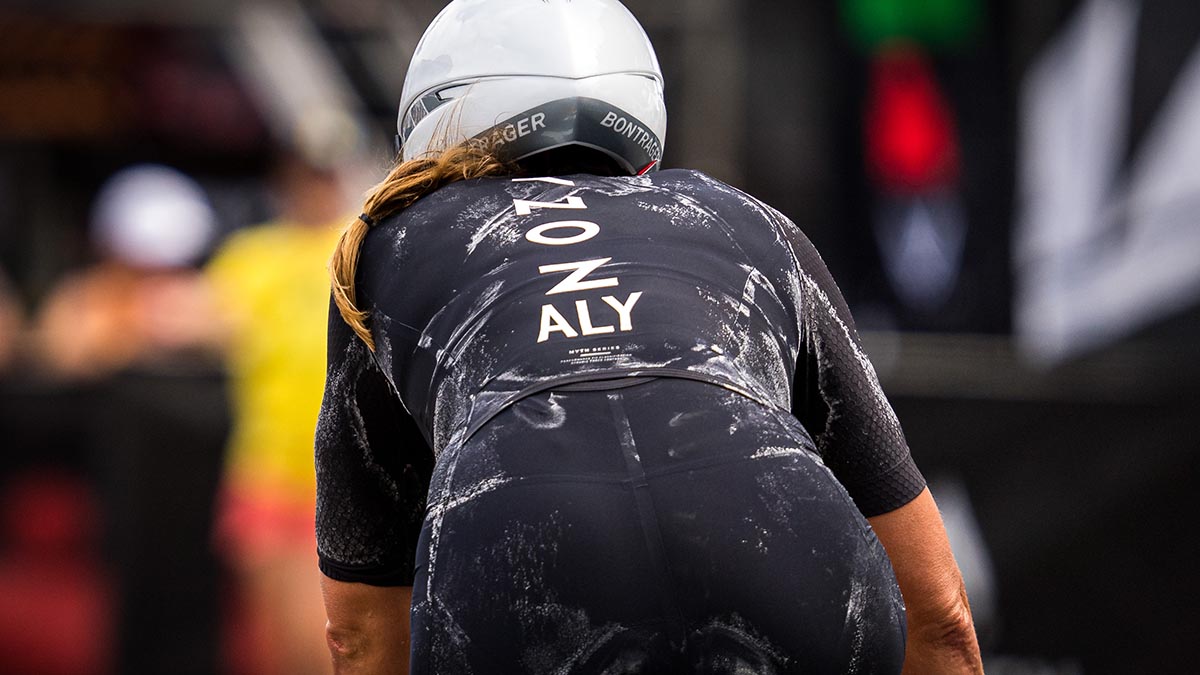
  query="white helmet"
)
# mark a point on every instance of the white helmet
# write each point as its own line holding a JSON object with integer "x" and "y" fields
{"x": 526, "y": 76}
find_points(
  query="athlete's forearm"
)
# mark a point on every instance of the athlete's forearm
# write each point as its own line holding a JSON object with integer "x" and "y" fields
{"x": 368, "y": 628}
{"x": 941, "y": 633}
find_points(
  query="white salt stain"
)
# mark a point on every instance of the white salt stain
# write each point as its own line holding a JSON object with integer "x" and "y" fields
{"x": 465, "y": 336}
{"x": 679, "y": 419}
{"x": 747, "y": 200}
{"x": 748, "y": 290}
{"x": 854, "y": 624}
{"x": 624, "y": 186}
{"x": 681, "y": 213}
{"x": 555, "y": 418}
{"x": 706, "y": 295}
{"x": 761, "y": 355}
{"x": 467, "y": 496}
{"x": 586, "y": 650}
{"x": 426, "y": 340}
{"x": 499, "y": 229}
{"x": 696, "y": 209}
{"x": 769, "y": 656}
{"x": 460, "y": 398}
{"x": 399, "y": 248}
{"x": 725, "y": 374}
{"x": 777, "y": 451}
{"x": 435, "y": 520}
{"x": 381, "y": 332}
{"x": 763, "y": 535}
{"x": 489, "y": 295}
{"x": 779, "y": 499}
{"x": 814, "y": 292}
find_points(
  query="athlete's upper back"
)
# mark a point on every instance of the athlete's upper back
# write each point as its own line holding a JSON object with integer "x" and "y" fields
{"x": 491, "y": 289}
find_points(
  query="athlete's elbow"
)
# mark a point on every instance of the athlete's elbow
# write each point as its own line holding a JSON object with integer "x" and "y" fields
{"x": 955, "y": 635}
{"x": 347, "y": 646}
{"x": 947, "y": 638}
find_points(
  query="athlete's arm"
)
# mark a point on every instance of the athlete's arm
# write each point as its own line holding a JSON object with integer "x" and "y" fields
{"x": 941, "y": 633}
{"x": 373, "y": 469}
{"x": 838, "y": 398}
{"x": 368, "y": 630}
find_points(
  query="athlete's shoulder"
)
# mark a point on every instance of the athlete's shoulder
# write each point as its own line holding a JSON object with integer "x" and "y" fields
{"x": 681, "y": 176}
{"x": 697, "y": 182}
{"x": 730, "y": 201}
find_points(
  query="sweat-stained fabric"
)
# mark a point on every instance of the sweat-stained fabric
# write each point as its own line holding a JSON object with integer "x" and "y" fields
{"x": 492, "y": 291}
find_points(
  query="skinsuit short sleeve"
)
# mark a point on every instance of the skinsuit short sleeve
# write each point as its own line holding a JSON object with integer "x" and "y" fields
{"x": 837, "y": 396}
{"x": 373, "y": 469}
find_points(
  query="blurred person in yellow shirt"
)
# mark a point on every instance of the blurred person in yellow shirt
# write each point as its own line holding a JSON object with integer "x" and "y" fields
{"x": 271, "y": 281}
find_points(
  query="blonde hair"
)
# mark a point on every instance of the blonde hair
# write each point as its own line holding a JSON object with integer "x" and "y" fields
{"x": 405, "y": 184}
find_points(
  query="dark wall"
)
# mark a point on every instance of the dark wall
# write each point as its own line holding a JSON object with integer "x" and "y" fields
{"x": 1083, "y": 484}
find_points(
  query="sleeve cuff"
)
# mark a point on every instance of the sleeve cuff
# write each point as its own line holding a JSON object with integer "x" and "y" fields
{"x": 370, "y": 575}
{"x": 888, "y": 491}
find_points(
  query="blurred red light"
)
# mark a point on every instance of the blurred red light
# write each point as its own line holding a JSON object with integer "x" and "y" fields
{"x": 911, "y": 140}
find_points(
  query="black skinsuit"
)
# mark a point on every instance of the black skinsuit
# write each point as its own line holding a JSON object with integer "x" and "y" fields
{"x": 632, "y": 388}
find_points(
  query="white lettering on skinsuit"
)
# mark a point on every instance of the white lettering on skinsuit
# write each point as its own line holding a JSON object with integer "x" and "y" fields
{"x": 524, "y": 208}
{"x": 552, "y": 181}
{"x": 552, "y": 320}
{"x": 538, "y": 234}
{"x": 574, "y": 280}
{"x": 624, "y": 309}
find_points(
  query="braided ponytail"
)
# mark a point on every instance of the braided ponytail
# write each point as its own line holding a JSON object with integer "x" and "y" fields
{"x": 405, "y": 184}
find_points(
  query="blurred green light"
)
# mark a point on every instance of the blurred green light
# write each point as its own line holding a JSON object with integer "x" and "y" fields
{"x": 932, "y": 23}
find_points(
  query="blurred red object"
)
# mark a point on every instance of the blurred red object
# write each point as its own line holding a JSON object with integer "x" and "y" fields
{"x": 55, "y": 599}
{"x": 911, "y": 139}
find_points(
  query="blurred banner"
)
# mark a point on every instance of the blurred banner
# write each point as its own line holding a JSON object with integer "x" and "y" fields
{"x": 1109, "y": 234}
{"x": 60, "y": 80}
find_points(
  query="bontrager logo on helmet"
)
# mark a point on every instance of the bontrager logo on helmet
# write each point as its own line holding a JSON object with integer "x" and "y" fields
{"x": 527, "y": 76}
{"x": 576, "y": 121}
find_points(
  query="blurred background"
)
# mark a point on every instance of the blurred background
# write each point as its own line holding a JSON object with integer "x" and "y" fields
{"x": 1007, "y": 192}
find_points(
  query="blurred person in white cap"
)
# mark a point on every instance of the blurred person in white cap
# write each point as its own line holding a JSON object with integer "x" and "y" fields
{"x": 143, "y": 302}
{"x": 589, "y": 417}
{"x": 134, "y": 340}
